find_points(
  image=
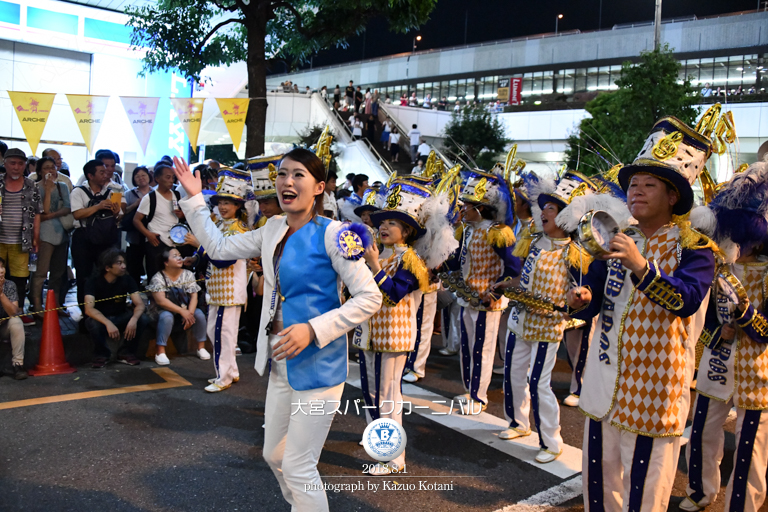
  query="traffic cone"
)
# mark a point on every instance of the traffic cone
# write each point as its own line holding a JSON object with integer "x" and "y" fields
{"x": 52, "y": 361}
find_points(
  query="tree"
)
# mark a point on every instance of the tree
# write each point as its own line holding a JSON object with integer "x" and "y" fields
{"x": 622, "y": 119}
{"x": 190, "y": 35}
{"x": 475, "y": 134}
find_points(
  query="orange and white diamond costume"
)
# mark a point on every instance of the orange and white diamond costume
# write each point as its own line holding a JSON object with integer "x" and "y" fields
{"x": 226, "y": 289}
{"x": 733, "y": 373}
{"x": 636, "y": 390}
{"x": 533, "y": 339}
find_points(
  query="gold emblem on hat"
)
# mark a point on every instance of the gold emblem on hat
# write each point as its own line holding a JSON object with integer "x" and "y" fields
{"x": 666, "y": 148}
{"x": 481, "y": 189}
{"x": 394, "y": 198}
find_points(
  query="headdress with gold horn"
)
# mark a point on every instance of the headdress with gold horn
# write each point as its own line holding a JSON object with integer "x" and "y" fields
{"x": 322, "y": 147}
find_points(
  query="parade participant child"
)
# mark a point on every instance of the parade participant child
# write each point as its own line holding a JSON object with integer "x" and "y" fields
{"x": 484, "y": 258}
{"x": 402, "y": 277}
{"x": 734, "y": 367}
{"x": 651, "y": 297}
{"x": 552, "y": 261}
{"x": 306, "y": 258}
{"x": 226, "y": 284}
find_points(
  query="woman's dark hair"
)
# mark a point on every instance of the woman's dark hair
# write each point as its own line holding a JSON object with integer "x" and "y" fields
{"x": 109, "y": 258}
{"x": 89, "y": 169}
{"x": 2, "y": 261}
{"x": 164, "y": 256}
{"x": 39, "y": 166}
{"x": 487, "y": 212}
{"x": 315, "y": 167}
{"x": 140, "y": 168}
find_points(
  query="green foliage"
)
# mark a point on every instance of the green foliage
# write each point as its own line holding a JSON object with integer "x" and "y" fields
{"x": 475, "y": 134}
{"x": 622, "y": 119}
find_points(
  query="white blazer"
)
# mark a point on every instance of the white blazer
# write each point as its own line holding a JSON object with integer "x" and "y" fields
{"x": 261, "y": 243}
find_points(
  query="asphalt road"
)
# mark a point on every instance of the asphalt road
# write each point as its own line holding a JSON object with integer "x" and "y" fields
{"x": 181, "y": 449}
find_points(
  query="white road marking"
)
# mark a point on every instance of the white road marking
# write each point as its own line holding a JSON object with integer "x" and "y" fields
{"x": 548, "y": 498}
{"x": 482, "y": 427}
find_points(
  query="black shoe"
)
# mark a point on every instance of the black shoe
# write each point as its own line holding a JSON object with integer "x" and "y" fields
{"x": 99, "y": 362}
{"x": 129, "y": 359}
{"x": 19, "y": 373}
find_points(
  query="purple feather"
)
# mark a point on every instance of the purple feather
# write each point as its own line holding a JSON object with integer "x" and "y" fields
{"x": 360, "y": 230}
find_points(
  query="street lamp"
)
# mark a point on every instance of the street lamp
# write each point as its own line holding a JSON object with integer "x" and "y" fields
{"x": 558, "y": 18}
{"x": 417, "y": 38}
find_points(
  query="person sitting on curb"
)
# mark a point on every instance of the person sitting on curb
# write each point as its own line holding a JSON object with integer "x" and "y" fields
{"x": 108, "y": 314}
{"x": 12, "y": 327}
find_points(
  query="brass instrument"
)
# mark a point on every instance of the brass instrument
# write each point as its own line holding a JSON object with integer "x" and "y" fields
{"x": 533, "y": 303}
{"x": 455, "y": 283}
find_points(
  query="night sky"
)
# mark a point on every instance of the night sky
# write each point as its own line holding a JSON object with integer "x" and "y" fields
{"x": 488, "y": 20}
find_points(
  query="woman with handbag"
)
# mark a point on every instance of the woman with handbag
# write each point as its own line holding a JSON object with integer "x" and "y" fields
{"x": 55, "y": 224}
{"x": 135, "y": 251}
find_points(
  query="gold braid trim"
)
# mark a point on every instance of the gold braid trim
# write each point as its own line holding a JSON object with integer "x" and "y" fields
{"x": 415, "y": 265}
{"x": 523, "y": 246}
{"x": 459, "y": 232}
{"x": 500, "y": 236}
{"x": 578, "y": 257}
{"x": 692, "y": 239}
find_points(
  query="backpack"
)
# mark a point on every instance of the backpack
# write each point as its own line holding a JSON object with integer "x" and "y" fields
{"x": 126, "y": 224}
{"x": 101, "y": 227}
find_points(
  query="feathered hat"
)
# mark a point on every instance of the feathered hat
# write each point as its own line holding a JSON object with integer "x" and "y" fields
{"x": 741, "y": 210}
{"x": 373, "y": 199}
{"x": 571, "y": 184}
{"x": 234, "y": 184}
{"x": 675, "y": 153}
{"x": 322, "y": 147}
{"x": 263, "y": 174}
{"x": 493, "y": 189}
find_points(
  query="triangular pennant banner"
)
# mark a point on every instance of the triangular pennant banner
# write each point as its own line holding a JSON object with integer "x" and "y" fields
{"x": 233, "y": 111}
{"x": 141, "y": 114}
{"x": 89, "y": 113}
{"x": 190, "y": 112}
{"x": 32, "y": 109}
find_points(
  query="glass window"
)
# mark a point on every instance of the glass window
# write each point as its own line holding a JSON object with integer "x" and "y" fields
{"x": 546, "y": 82}
{"x": 591, "y": 79}
{"x": 580, "y": 80}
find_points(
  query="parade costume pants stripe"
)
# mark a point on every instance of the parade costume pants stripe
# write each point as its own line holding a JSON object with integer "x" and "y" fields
{"x": 417, "y": 360}
{"x": 704, "y": 457}
{"x": 520, "y": 396}
{"x": 638, "y": 473}
{"x": 747, "y": 487}
{"x": 451, "y": 331}
{"x": 384, "y": 374}
{"x": 577, "y": 346}
{"x": 478, "y": 345}
{"x": 223, "y": 324}
{"x": 293, "y": 441}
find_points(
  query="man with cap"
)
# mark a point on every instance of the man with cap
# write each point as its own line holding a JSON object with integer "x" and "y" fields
{"x": 651, "y": 298}
{"x": 20, "y": 207}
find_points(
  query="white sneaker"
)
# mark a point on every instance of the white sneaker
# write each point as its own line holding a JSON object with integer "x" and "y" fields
{"x": 410, "y": 377}
{"x": 162, "y": 360}
{"x": 472, "y": 408}
{"x": 215, "y": 388}
{"x": 447, "y": 352}
{"x": 545, "y": 456}
{"x": 238, "y": 352}
{"x": 689, "y": 505}
{"x": 513, "y": 433}
{"x": 462, "y": 398}
{"x": 571, "y": 400}
{"x": 203, "y": 354}
{"x": 234, "y": 380}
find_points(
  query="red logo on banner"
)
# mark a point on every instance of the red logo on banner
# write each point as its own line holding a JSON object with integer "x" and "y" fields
{"x": 515, "y": 94}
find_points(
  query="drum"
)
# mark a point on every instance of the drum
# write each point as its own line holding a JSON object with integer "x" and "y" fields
{"x": 729, "y": 293}
{"x": 596, "y": 230}
{"x": 178, "y": 232}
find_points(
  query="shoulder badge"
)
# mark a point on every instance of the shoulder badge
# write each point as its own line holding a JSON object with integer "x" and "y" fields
{"x": 350, "y": 244}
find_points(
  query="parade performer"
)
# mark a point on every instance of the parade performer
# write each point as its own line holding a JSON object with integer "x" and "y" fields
{"x": 552, "y": 261}
{"x": 306, "y": 257}
{"x": 411, "y": 212}
{"x": 226, "y": 284}
{"x": 734, "y": 367}
{"x": 651, "y": 297}
{"x": 484, "y": 258}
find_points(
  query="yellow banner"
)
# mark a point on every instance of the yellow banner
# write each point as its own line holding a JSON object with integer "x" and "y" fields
{"x": 190, "y": 112}
{"x": 233, "y": 111}
{"x": 32, "y": 109}
{"x": 89, "y": 114}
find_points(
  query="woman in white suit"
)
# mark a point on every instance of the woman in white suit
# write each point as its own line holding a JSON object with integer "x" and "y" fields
{"x": 306, "y": 258}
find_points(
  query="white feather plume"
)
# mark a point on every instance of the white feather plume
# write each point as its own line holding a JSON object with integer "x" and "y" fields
{"x": 569, "y": 218}
{"x": 535, "y": 189}
{"x": 439, "y": 242}
{"x": 731, "y": 250}
{"x": 347, "y": 211}
{"x": 703, "y": 219}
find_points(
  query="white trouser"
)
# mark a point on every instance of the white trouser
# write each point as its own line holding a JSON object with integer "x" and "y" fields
{"x": 451, "y": 330}
{"x": 223, "y": 324}
{"x": 293, "y": 440}
{"x": 417, "y": 360}
{"x": 381, "y": 377}
{"x": 577, "y": 346}
{"x": 622, "y": 470}
{"x": 540, "y": 358}
{"x": 478, "y": 344}
{"x": 747, "y": 485}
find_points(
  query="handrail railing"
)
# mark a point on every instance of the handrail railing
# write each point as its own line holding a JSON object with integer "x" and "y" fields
{"x": 403, "y": 131}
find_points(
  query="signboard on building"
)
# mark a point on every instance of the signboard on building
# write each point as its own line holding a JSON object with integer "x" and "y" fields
{"x": 503, "y": 90}
{"x": 516, "y": 89}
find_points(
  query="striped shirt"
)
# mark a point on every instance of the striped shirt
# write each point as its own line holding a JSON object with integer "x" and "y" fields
{"x": 10, "y": 228}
